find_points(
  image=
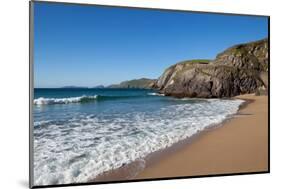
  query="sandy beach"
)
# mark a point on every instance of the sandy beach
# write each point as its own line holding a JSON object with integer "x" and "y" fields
{"x": 240, "y": 145}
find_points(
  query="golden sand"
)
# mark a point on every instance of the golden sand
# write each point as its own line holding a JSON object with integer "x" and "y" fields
{"x": 240, "y": 145}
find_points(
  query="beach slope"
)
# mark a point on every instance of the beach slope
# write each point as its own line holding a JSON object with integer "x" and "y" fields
{"x": 240, "y": 145}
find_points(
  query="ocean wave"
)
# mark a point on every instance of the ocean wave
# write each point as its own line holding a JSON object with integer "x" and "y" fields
{"x": 155, "y": 94}
{"x": 85, "y": 99}
{"x": 46, "y": 101}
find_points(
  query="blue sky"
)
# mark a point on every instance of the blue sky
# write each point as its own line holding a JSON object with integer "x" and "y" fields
{"x": 89, "y": 45}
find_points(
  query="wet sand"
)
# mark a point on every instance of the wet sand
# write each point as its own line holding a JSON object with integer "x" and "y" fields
{"x": 240, "y": 145}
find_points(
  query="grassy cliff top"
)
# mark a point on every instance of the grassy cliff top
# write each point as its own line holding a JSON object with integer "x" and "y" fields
{"x": 195, "y": 61}
{"x": 190, "y": 63}
{"x": 135, "y": 83}
{"x": 244, "y": 48}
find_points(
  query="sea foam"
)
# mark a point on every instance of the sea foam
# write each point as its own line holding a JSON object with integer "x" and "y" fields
{"x": 45, "y": 101}
{"x": 86, "y": 146}
{"x": 155, "y": 94}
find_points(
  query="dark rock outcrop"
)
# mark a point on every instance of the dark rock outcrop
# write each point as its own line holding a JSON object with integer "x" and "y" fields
{"x": 238, "y": 70}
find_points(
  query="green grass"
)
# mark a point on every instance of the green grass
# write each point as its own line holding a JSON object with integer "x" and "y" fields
{"x": 195, "y": 61}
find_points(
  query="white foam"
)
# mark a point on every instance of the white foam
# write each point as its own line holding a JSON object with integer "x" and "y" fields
{"x": 45, "y": 101}
{"x": 155, "y": 94}
{"x": 86, "y": 147}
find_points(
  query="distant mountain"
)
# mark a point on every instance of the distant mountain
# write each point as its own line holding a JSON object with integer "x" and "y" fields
{"x": 142, "y": 83}
{"x": 98, "y": 87}
{"x": 73, "y": 87}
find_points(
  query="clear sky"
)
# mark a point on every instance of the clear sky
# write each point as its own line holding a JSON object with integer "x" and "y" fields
{"x": 89, "y": 45}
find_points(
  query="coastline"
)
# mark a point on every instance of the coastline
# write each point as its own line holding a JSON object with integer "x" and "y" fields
{"x": 239, "y": 146}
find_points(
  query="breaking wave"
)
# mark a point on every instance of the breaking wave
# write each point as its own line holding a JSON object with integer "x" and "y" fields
{"x": 155, "y": 94}
{"x": 46, "y": 101}
{"x": 82, "y": 99}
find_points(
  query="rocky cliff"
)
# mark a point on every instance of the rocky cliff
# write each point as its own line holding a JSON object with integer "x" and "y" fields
{"x": 142, "y": 83}
{"x": 238, "y": 70}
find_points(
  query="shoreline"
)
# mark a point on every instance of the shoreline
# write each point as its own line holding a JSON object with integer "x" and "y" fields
{"x": 188, "y": 158}
{"x": 240, "y": 145}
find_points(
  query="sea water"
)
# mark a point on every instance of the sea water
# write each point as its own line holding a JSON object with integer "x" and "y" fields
{"x": 82, "y": 133}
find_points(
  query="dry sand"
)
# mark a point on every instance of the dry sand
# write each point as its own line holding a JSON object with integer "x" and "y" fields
{"x": 240, "y": 145}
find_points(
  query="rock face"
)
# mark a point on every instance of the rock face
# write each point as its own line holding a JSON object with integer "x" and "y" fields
{"x": 238, "y": 70}
{"x": 142, "y": 83}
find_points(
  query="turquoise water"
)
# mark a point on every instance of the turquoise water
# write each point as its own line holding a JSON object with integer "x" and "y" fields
{"x": 81, "y": 133}
{"x": 96, "y": 102}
